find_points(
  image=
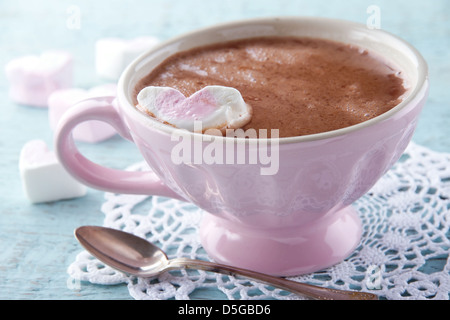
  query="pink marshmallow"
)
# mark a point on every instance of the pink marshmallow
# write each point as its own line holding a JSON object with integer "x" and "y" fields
{"x": 90, "y": 131}
{"x": 214, "y": 107}
{"x": 33, "y": 78}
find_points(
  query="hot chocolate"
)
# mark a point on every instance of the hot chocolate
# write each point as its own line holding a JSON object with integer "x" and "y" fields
{"x": 300, "y": 86}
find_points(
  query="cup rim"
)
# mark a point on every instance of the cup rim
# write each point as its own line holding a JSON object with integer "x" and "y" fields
{"x": 124, "y": 79}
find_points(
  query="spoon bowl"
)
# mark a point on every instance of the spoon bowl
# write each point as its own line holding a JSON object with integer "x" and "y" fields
{"x": 136, "y": 256}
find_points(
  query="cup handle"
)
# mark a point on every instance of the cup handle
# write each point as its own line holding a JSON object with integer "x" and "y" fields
{"x": 95, "y": 175}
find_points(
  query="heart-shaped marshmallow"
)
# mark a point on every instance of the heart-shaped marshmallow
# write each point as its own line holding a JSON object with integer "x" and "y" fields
{"x": 90, "y": 131}
{"x": 33, "y": 78}
{"x": 216, "y": 107}
{"x": 43, "y": 178}
{"x": 113, "y": 55}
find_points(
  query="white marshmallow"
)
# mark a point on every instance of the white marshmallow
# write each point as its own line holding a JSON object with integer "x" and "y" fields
{"x": 90, "y": 131}
{"x": 43, "y": 178}
{"x": 113, "y": 55}
{"x": 33, "y": 78}
{"x": 216, "y": 107}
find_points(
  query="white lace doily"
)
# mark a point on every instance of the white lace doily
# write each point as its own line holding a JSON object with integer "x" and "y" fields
{"x": 404, "y": 252}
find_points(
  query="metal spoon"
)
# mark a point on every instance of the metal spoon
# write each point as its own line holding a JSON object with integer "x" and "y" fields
{"x": 136, "y": 256}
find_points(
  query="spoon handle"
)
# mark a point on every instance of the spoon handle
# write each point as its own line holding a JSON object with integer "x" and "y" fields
{"x": 282, "y": 283}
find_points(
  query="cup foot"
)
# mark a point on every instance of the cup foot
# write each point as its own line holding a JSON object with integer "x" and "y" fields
{"x": 283, "y": 251}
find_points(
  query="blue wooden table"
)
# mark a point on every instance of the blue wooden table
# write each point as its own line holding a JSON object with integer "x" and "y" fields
{"x": 36, "y": 241}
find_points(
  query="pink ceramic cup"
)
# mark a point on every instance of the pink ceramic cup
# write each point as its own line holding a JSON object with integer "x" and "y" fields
{"x": 296, "y": 221}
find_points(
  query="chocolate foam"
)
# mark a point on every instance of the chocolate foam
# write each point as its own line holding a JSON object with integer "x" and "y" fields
{"x": 300, "y": 86}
